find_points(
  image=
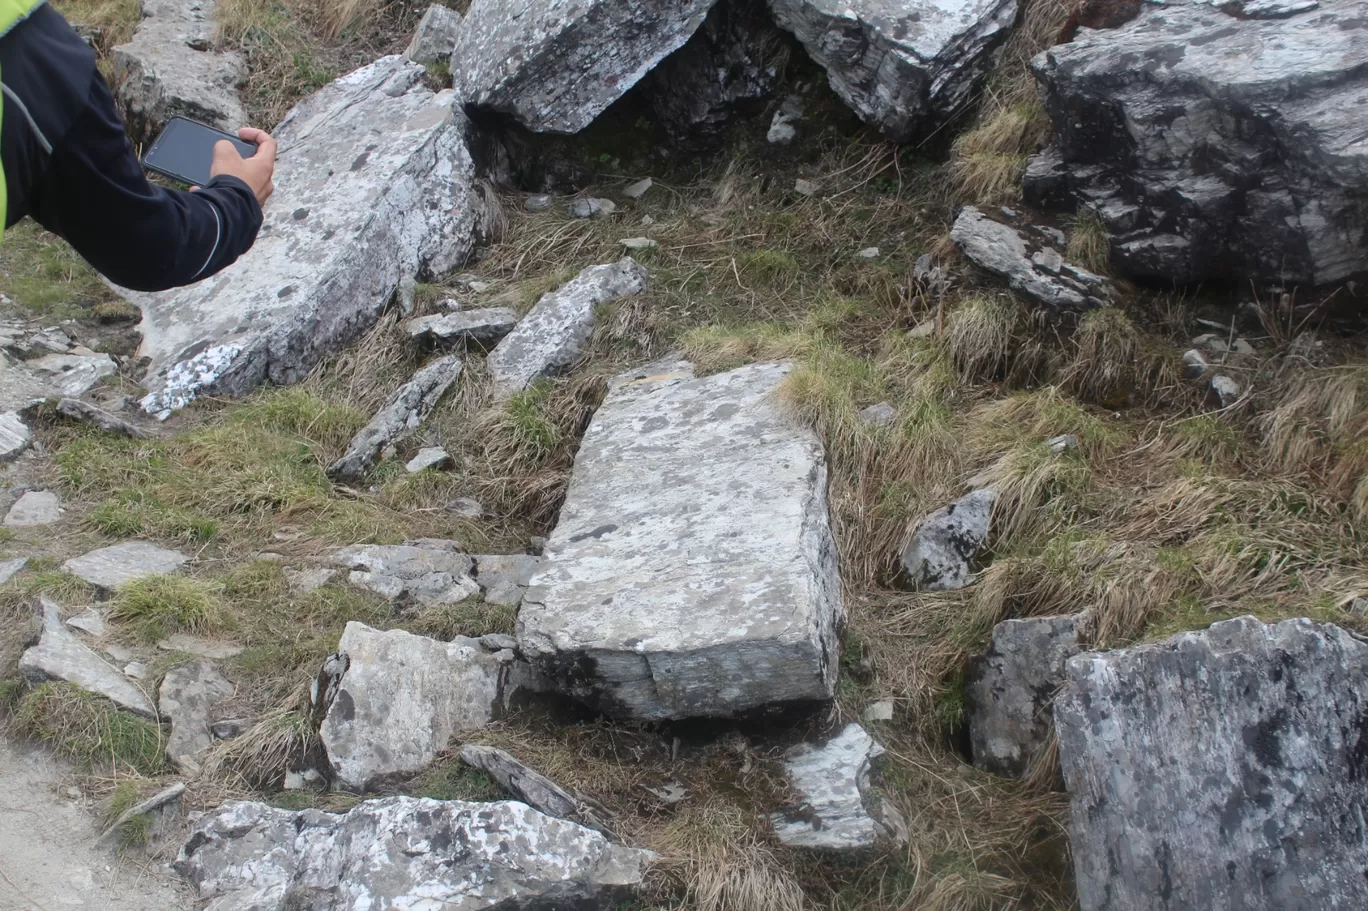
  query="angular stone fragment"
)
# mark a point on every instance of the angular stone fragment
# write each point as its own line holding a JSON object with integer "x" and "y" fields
{"x": 406, "y": 852}
{"x": 401, "y": 700}
{"x": 484, "y": 326}
{"x": 90, "y": 621}
{"x": 531, "y": 786}
{"x": 373, "y": 184}
{"x": 423, "y": 572}
{"x": 59, "y": 655}
{"x": 693, "y": 571}
{"x": 398, "y": 418}
{"x": 434, "y": 457}
{"x": 1219, "y": 769}
{"x": 840, "y": 811}
{"x": 35, "y": 507}
{"x": 119, "y": 564}
{"x": 170, "y": 69}
{"x": 1234, "y": 152}
{"x": 552, "y": 335}
{"x": 87, "y": 413}
{"x": 882, "y": 413}
{"x": 941, "y": 554}
{"x": 1224, "y": 391}
{"x": 592, "y": 206}
{"x": 10, "y": 568}
{"x": 14, "y": 436}
{"x": 304, "y": 581}
{"x": 1003, "y": 251}
{"x": 1011, "y": 690}
{"x": 187, "y": 698}
{"x": 504, "y": 578}
{"x": 435, "y": 36}
{"x": 903, "y": 67}
{"x": 555, "y": 67}
{"x": 202, "y": 648}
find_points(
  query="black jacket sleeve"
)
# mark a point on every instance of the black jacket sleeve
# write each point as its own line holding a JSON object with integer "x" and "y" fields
{"x": 69, "y": 165}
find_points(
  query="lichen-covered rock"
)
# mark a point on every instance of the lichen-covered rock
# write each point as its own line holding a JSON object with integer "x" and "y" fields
{"x": 373, "y": 184}
{"x": 116, "y": 565}
{"x": 405, "y": 852}
{"x": 1011, "y": 689}
{"x": 59, "y": 655}
{"x": 503, "y": 578}
{"x": 435, "y": 35}
{"x": 903, "y": 67}
{"x": 692, "y": 571}
{"x": 556, "y": 66}
{"x": 26, "y": 383}
{"x": 425, "y": 572}
{"x": 941, "y": 554}
{"x": 15, "y": 436}
{"x": 484, "y": 325}
{"x": 1219, "y": 769}
{"x": 186, "y": 698}
{"x": 1215, "y": 145}
{"x": 401, "y": 700}
{"x": 1037, "y": 271}
{"x": 171, "y": 69}
{"x": 840, "y": 810}
{"x": 398, "y": 418}
{"x": 551, "y": 336}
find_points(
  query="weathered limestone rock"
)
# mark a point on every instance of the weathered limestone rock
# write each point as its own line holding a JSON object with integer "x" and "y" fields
{"x": 373, "y": 184}
{"x": 423, "y": 572}
{"x": 840, "y": 810}
{"x": 555, "y": 67}
{"x": 90, "y": 621}
{"x": 87, "y": 413}
{"x": 1219, "y": 769}
{"x": 187, "y": 698}
{"x": 503, "y": 578}
{"x": 59, "y": 655}
{"x": 405, "y": 852}
{"x": 304, "y": 581}
{"x": 1040, "y": 273}
{"x": 693, "y": 571}
{"x": 1011, "y": 690}
{"x": 201, "y": 648}
{"x": 398, "y": 418}
{"x": 35, "y": 507}
{"x": 15, "y": 436}
{"x": 401, "y": 700}
{"x": 901, "y": 66}
{"x": 941, "y": 554}
{"x": 484, "y": 326}
{"x": 591, "y": 207}
{"x": 169, "y": 69}
{"x": 1213, "y": 145}
{"x": 27, "y": 383}
{"x": 434, "y": 457}
{"x": 119, "y": 564}
{"x": 530, "y": 786}
{"x": 10, "y": 568}
{"x": 435, "y": 36}
{"x": 550, "y": 337}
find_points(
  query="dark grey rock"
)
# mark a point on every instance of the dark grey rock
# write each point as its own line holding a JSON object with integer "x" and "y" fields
{"x": 1219, "y": 769}
{"x": 532, "y": 787}
{"x": 945, "y": 545}
{"x": 1040, "y": 273}
{"x": 484, "y": 326}
{"x": 882, "y": 413}
{"x": 435, "y": 35}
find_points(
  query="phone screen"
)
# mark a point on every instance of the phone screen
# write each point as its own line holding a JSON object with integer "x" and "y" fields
{"x": 185, "y": 150}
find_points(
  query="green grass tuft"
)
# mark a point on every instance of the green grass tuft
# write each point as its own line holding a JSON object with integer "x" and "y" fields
{"x": 91, "y": 729}
{"x": 159, "y": 605}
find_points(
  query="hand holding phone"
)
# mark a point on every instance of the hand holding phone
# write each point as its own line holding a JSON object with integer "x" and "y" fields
{"x": 195, "y": 154}
{"x": 255, "y": 171}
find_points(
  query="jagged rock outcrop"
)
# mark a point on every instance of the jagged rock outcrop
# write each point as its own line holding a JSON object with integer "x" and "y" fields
{"x": 171, "y": 69}
{"x": 402, "y": 698}
{"x": 118, "y": 564}
{"x": 551, "y": 336}
{"x": 1036, "y": 270}
{"x": 554, "y": 66}
{"x": 59, "y": 655}
{"x": 424, "y": 572}
{"x": 839, "y": 810}
{"x": 692, "y": 571}
{"x": 903, "y": 67}
{"x": 1219, "y": 769}
{"x": 944, "y": 548}
{"x": 373, "y": 185}
{"x": 1215, "y": 143}
{"x": 405, "y": 852}
{"x": 1011, "y": 689}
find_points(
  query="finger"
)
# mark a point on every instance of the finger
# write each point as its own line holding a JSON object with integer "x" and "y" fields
{"x": 263, "y": 139}
{"x": 193, "y": 188}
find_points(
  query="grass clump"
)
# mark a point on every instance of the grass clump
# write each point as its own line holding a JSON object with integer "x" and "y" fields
{"x": 986, "y": 162}
{"x": 91, "y": 730}
{"x": 1089, "y": 244}
{"x": 473, "y": 617}
{"x": 159, "y": 605}
{"x": 115, "y": 20}
{"x": 454, "y": 780}
{"x": 42, "y": 274}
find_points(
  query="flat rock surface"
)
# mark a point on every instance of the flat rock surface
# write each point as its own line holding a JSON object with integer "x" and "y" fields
{"x": 15, "y": 436}
{"x": 1213, "y": 143}
{"x": 373, "y": 184}
{"x": 1036, "y": 271}
{"x": 9, "y": 568}
{"x": 401, "y": 700}
{"x": 119, "y": 564}
{"x": 556, "y": 66}
{"x": 485, "y": 325}
{"x": 1219, "y": 769}
{"x": 187, "y": 698}
{"x": 424, "y": 572}
{"x": 552, "y": 335}
{"x": 901, "y": 66}
{"x": 944, "y": 548}
{"x": 406, "y": 852}
{"x": 59, "y": 655}
{"x": 692, "y": 571}
{"x": 35, "y": 507}
{"x": 26, "y": 383}
{"x": 202, "y": 648}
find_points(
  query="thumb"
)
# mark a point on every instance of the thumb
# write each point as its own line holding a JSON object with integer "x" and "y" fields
{"x": 224, "y": 156}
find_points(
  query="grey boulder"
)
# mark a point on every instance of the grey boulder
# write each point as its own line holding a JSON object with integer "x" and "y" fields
{"x": 1219, "y": 769}
{"x": 693, "y": 570}
{"x": 1213, "y": 144}
{"x": 555, "y": 66}
{"x": 903, "y": 67}
{"x": 405, "y": 852}
{"x": 15, "y": 436}
{"x": 941, "y": 554}
{"x": 435, "y": 35}
{"x": 1011, "y": 689}
{"x": 503, "y": 578}
{"x": 35, "y": 507}
{"x": 59, "y": 655}
{"x": 424, "y": 572}
{"x": 553, "y": 334}
{"x": 116, "y": 565}
{"x": 401, "y": 700}
{"x": 373, "y": 185}
{"x": 485, "y": 326}
{"x": 187, "y": 698}
{"x": 1038, "y": 272}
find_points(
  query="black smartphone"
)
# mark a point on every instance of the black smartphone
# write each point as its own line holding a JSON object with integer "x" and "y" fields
{"x": 185, "y": 150}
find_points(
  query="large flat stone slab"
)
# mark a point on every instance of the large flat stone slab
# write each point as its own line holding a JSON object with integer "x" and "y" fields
{"x": 406, "y": 853}
{"x": 556, "y": 66}
{"x": 424, "y": 572}
{"x": 119, "y": 564}
{"x": 59, "y": 655}
{"x": 373, "y": 184}
{"x": 401, "y": 700}
{"x": 1219, "y": 769}
{"x": 693, "y": 571}
{"x": 35, "y": 507}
